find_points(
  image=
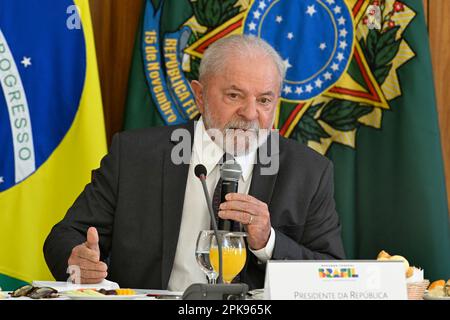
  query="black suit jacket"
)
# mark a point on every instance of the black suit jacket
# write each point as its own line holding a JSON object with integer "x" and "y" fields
{"x": 135, "y": 201}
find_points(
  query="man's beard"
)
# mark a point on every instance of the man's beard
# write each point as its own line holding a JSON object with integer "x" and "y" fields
{"x": 238, "y": 137}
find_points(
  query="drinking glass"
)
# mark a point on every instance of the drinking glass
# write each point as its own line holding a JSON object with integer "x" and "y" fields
{"x": 202, "y": 254}
{"x": 234, "y": 254}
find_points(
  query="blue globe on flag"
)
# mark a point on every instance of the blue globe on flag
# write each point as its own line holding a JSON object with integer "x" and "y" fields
{"x": 314, "y": 37}
{"x": 42, "y": 76}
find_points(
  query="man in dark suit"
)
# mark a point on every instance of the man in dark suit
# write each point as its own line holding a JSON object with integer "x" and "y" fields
{"x": 137, "y": 221}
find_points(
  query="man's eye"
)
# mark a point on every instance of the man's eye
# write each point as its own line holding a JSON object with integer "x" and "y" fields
{"x": 233, "y": 96}
{"x": 265, "y": 101}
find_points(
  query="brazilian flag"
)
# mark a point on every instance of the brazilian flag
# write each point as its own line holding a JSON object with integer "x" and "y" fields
{"x": 51, "y": 126}
{"x": 359, "y": 90}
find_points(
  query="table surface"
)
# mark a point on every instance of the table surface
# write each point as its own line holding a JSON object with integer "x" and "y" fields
{"x": 141, "y": 294}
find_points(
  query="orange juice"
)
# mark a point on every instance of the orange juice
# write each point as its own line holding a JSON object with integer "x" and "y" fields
{"x": 233, "y": 261}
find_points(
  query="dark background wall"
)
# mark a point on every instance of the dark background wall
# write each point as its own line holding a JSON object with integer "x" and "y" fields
{"x": 116, "y": 21}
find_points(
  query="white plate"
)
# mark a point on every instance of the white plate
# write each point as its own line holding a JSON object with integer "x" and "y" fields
{"x": 105, "y": 297}
{"x": 256, "y": 294}
{"x": 62, "y": 286}
{"x": 426, "y": 296}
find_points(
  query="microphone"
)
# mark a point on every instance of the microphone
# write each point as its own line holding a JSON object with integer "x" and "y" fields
{"x": 221, "y": 291}
{"x": 230, "y": 172}
{"x": 200, "y": 172}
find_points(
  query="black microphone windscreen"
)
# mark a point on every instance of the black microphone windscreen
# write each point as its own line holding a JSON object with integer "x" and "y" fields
{"x": 200, "y": 170}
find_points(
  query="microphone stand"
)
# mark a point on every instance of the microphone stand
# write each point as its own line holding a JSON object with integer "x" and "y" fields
{"x": 214, "y": 224}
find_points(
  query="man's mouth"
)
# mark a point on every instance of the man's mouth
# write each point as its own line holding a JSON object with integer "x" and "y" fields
{"x": 242, "y": 129}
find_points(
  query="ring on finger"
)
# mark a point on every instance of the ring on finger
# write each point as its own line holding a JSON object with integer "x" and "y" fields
{"x": 251, "y": 219}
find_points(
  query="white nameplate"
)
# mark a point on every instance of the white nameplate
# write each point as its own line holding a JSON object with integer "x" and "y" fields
{"x": 335, "y": 280}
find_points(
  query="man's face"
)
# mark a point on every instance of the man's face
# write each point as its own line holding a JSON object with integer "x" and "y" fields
{"x": 240, "y": 100}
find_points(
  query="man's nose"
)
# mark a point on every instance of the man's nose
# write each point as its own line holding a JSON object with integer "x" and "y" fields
{"x": 249, "y": 111}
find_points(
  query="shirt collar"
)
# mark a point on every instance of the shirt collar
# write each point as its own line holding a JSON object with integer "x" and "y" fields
{"x": 209, "y": 153}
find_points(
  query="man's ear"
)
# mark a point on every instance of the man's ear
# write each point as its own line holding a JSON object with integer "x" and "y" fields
{"x": 197, "y": 88}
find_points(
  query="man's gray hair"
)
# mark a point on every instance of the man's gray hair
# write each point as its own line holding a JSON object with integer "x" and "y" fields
{"x": 215, "y": 56}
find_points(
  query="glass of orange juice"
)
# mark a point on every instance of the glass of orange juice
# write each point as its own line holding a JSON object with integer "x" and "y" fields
{"x": 233, "y": 252}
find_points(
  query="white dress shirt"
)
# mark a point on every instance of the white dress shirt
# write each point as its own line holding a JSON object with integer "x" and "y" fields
{"x": 195, "y": 216}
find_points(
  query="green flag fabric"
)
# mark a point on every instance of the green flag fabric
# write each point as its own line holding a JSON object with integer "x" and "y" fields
{"x": 358, "y": 89}
{"x": 8, "y": 283}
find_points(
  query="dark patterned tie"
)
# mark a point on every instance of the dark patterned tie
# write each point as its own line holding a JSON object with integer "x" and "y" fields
{"x": 216, "y": 204}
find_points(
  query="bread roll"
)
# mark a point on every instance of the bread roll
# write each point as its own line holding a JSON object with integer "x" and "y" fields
{"x": 409, "y": 272}
{"x": 403, "y": 259}
{"x": 447, "y": 288}
{"x": 383, "y": 254}
{"x": 437, "y": 283}
{"x": 436, "y": 289}
{"x": 383, "y": 259}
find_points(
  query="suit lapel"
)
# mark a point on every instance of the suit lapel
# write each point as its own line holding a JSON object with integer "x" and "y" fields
{"x": 174, "y": 187}
{"x": 262, "y": 186}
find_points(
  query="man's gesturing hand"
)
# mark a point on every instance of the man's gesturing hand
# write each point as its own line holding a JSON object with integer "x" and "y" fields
{"x": 252, "y": 213}
{"x": 86, "y": 257}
